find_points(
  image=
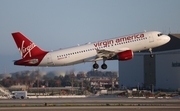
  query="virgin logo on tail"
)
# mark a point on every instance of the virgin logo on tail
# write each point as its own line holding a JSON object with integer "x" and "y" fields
{"x": 26, "y": 50}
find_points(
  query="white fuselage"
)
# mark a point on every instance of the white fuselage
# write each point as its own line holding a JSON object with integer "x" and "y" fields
{"x": 88, "y": 52}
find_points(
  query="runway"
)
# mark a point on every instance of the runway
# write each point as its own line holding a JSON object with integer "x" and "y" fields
{"x": 90, "y": 104}
{"x": 97, "y": 108}
{"x": 90, "y": 101}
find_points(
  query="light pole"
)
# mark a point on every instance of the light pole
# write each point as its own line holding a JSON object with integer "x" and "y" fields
{"x": 152, "y": 89}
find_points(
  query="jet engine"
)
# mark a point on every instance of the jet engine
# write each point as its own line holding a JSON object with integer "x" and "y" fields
{"x": 126, "y": 55}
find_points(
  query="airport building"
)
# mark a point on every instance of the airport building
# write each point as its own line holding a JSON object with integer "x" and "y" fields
{"x": 162, "y": 72}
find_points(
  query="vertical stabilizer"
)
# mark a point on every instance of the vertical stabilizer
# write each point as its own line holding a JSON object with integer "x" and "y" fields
{"x": 26, "y": 47}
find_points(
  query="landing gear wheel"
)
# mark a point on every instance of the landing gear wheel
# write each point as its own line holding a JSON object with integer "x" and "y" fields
{"x": 151, "y": 55}
{"x": 95, "y": 66}
{"x": 104, "y": 66}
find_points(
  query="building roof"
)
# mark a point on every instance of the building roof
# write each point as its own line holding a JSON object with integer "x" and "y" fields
{"x": 175, "y": 35}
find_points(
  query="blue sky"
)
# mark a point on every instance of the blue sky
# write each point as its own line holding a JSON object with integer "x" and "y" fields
{"x": 54, "y": 24}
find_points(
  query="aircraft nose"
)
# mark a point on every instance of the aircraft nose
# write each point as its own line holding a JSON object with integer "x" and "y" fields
{"x": 166, "y": 38}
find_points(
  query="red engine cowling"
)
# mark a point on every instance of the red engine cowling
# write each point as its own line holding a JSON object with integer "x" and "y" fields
{"x": 126, "y": 55}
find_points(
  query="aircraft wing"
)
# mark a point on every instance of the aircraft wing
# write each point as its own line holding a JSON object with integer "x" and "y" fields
{"x": 105, "y": 53}
{"x": 109, "y": 53}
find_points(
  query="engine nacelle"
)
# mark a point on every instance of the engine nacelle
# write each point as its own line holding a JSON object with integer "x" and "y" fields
{"x": 126, "y": 55}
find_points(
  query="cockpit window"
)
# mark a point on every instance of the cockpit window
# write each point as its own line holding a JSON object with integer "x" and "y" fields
{"x": 160, "y": 34}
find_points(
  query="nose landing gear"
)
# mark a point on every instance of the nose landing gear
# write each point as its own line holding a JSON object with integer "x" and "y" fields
{"x": 151, "y": 54}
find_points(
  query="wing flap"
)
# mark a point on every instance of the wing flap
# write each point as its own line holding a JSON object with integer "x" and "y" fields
{"x": 109, "y": 53}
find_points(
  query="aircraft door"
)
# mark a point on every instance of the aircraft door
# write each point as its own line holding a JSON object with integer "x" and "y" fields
{"x": 151, "y": 39}
{"x": 49, "y": 60}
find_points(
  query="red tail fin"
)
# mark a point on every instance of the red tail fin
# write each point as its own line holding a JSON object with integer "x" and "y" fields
{"x": 26, "y": 47}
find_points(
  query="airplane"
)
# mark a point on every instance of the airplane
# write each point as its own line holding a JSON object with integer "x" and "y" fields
{"x": 119, "y": 48}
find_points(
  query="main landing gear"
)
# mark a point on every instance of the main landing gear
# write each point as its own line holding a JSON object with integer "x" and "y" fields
{"x": 103, "y": 66}
{"x": 96, "y": 66}
{"x": 151, "y": 54}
